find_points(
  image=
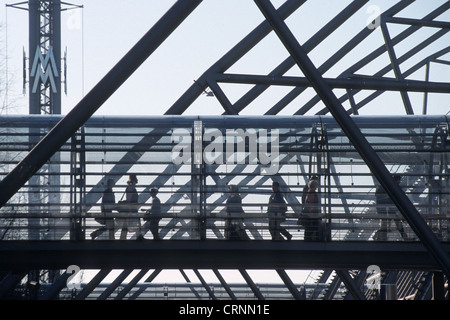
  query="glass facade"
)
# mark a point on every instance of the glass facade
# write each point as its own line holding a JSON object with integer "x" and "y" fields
{"x": 214, "y": 178}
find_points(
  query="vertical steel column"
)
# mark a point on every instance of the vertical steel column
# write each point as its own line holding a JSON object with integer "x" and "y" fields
{"x": 360, "y": 143}
{"x": 64, "y": 129}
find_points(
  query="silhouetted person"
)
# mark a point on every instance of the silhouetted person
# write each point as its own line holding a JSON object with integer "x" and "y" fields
{"x": 385, "y": 206}
{"x": 108, "y": 204}
{"x": 234, "y": 224}
{"x": 276, "y": 212}
{"x": 311, "y": 212}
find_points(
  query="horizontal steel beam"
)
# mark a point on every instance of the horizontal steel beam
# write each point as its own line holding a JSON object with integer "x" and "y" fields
{"x": 417, "y": 22}
{"x": 219, "y": 254}
{"x": 344, "y": 83}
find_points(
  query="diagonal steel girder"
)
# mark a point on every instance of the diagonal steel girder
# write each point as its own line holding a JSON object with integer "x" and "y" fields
{"x": 65, "y": 128}
{"x": 360, "y": 143}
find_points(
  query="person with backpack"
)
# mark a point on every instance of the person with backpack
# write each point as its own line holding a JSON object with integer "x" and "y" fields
{"x": 234, "y": 224}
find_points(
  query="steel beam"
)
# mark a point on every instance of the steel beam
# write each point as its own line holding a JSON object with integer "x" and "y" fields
{"x": 310, "y": 44}
{"x": 224, "y": 284}
{"x": 251, "y": 284}
{"x": 417, "y": 22}
{"x": 350, "y": 45}
{"x": 64, "y": 129}
{"x": 113, "y": 285}
{"x": 350, "y": 283}
{"x": 220, "y": 254}
{"x": 400, "y": 37}
{"x": 395, "y": 65}
{"x": 406, "y": 73}
{"x": 205, "y": 285}
{"x": 59, "y": 284}
{"x": 84, "y": 293}
{"x": 289, "y": 284}
{"x": 230, "y": 58}
{"x": 360, "y": 143}
{"x": 131, "y": 284}
{"x": 141, "y": 289}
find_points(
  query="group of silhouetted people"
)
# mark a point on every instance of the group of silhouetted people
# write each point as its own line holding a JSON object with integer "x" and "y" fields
{"x": 276, "y": 212}
{"x": 128, "y": 207}
{"x": 310, "y": 217}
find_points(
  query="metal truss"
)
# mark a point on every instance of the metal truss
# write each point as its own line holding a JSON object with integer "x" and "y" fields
{"x": 349, "y": 79}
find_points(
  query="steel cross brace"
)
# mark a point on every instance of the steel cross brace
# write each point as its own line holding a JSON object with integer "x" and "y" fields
{"x": 360, "y": 143}
{"x": 395, "y": 65}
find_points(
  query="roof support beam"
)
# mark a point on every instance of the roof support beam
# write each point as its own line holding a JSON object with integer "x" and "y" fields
{"x": 395, "y": 65}
{"x": 417, "y": 22}
{"x": 386, "y": 84}
{"x": 92, "y": 284}
{"x": 363, "y": 62}
{"x": 310, "y": 44}
{"x": 360, "y": 143}
{"x": 350, "y": 45}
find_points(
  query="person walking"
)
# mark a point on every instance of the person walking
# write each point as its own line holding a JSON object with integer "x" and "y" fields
{"x": 311, "y": 219}
{"x": 153, "y": 215}
{"x": 131, "y": 208}
{"x": 108, "y": 204}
